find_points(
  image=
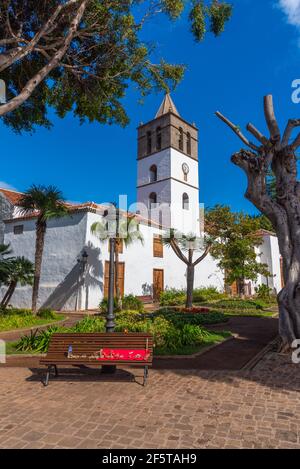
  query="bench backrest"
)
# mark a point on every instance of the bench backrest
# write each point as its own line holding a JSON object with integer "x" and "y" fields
{"x": 90, "y": 343}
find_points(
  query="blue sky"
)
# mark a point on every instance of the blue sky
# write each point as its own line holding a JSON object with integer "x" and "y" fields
{"x": 259, "y": 54}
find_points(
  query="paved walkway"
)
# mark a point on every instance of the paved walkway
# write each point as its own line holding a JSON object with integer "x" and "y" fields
{"x": 252, "y": 335}
{"x": 177, "y": 409}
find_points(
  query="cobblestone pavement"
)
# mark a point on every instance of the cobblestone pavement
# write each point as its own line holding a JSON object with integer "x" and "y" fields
{"x": 177, "y": 409}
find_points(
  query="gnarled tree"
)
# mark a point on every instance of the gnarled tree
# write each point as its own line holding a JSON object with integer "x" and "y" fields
{"x": 277, "y": 153}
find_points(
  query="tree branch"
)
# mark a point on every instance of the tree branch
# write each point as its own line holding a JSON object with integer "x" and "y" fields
{"x": 8, "y": 60}
{"x": 296, "y": 143}
{"x": 237, "y": 131}
{"x": 178, "y": 252}
{"x": 39, "y": 77}
{"x": 202, "y": 256}
{"x": 257, "y": 134}
{"x": 271, "y": 119}
{"x": 292, "y": 124}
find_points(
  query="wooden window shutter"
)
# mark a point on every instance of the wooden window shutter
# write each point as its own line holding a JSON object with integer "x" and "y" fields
{"x": 158, "y": 249}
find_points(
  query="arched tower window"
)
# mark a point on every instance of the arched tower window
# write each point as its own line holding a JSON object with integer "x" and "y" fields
{"x": 188, "y": 143}
{"x": 180, "y": 141}
{"x": 153, "y": 173}
{"x": 158, "y": 138}
{"x": 185, "y": 201}
{"x": 152, "y": 199}
{"x": 149, "y": 142}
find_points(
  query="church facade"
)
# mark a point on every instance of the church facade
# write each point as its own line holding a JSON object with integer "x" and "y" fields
{"x": 75, "y": 262}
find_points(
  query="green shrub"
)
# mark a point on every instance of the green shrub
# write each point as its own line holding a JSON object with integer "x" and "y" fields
{"x": 90, "y": 324}
{"x": 15, "y": 312}
{"x": 172, "y": 297}
{"x": 204, "y": 294}
{"x": 47, "y": 314}
{"x": 178, "y": 318}
{"x": 37, "y": 341}
{"x": 264, "y": 293}
{"x": 129, "y": 302}
{"x": 104, "y": 305}
{"x": 240, "y": 304}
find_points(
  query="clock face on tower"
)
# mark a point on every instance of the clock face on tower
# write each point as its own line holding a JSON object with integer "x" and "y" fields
{"x": 185, "y": 168}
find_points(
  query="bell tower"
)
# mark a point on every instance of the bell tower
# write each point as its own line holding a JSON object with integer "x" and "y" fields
{"x": 168, "y": 181}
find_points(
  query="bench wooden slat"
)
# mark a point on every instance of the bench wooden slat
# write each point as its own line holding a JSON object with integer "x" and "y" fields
{"x": 89, "y": 343}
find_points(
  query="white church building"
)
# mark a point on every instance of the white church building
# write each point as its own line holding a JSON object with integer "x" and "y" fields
{"x": 75, "y": 263}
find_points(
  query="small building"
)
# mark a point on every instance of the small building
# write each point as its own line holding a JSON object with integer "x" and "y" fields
{"x": 75, "y": 263}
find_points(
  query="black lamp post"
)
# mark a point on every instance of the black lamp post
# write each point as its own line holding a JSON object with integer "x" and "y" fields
{"x": 110, "y": 318}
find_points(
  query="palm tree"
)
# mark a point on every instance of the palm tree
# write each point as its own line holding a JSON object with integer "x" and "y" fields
{"x": 46, "y": 202}
{"x": 190, "y": 244}
{"x": 126, "y": 230}
{"x": 21, "y": 271}
{"x": 4, "y": 262}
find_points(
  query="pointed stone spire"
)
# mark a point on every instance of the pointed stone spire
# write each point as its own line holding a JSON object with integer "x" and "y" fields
{"x": 166, "y": 106}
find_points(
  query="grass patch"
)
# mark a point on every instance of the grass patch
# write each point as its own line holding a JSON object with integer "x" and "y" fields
{"x": 11, "y": 349}
{"x": 24, "y": 319}
{"x": 250, "y": 314}
{"x": 212, "y": 338}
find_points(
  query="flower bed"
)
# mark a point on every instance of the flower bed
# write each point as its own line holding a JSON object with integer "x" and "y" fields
{"x": 194, "y": 310}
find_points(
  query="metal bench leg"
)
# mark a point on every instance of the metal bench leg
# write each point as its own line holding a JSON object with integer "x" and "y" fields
{"x": 45, "y": 383}
{"x": 55, "y": 370}
{"x": 145, "y": 375}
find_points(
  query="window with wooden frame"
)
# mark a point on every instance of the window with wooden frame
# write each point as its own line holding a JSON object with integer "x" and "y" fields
{"x": 18, "y": 229}
{"x": 158, "y": 248}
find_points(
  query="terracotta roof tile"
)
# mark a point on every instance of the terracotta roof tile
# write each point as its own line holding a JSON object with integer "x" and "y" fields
{"x": 12, "y": 196}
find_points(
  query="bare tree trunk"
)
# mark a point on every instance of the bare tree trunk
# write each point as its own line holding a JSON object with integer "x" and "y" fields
{"x": 190, "y": 285}
{"x": 10, "y": 291}
{"x": 39, "y": 247}
{"x": 7, "y": 295}
{"x": 289, "y": 304}
{"x": 190, "y": 274}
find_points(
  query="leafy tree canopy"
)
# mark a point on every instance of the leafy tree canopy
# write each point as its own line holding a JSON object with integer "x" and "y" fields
{"x": 79, "y": 56}
{"x": 233, "y": 237}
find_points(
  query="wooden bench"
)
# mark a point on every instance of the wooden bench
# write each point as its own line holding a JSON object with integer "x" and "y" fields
{"x": 98, "y": 349}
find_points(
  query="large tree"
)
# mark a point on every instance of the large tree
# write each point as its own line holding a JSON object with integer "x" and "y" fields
{"x": 185, "y": 246}
{"x": 80, "y": 55}
{"x": 46, "y": 203}
{"x": 277, "y": 152}
{"x": 234, "y": 237}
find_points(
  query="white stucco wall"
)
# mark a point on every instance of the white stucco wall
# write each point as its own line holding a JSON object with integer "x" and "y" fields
{"x": 60, "y": 277}
{"x": 64, "y": 285}
{"x": 268, "y": 253}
